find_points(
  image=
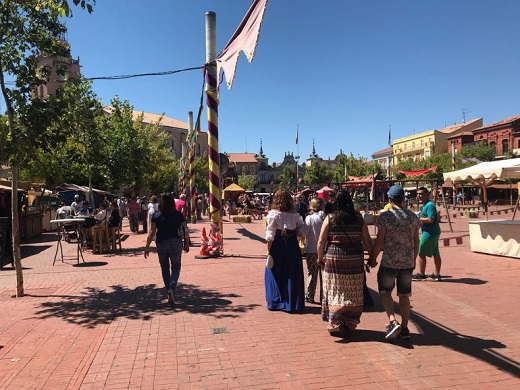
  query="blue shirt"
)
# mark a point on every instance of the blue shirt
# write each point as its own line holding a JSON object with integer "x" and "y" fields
{"x": 430, "y": 211}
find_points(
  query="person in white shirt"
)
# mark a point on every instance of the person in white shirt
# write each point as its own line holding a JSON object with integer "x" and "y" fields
{"x": 313, "y": 224}
{"x": 76, "y": 205}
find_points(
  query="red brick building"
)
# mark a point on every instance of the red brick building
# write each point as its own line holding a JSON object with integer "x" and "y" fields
{"x": 504, "y": 135}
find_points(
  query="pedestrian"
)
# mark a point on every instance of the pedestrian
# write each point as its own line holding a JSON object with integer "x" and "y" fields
{"x": 133, "y": 214}
{"x": 398, "y": 238}
{"x": 284, "y": 282}
{"x": 344, "y": 232}
{"x": 75, "y": 206}
{"x": 171, "y": 238}
{"x": 431, "y": 232}
{"x": 313, "y": 223}
{"x": 301, "y": 207}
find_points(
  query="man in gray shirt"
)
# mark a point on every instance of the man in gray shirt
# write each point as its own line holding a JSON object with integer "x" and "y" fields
{"x": 398, "y": 238}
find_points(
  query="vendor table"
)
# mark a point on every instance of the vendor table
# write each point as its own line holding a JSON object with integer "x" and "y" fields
{"x": 497, "y": 237}
{"x": 75, "y": 224}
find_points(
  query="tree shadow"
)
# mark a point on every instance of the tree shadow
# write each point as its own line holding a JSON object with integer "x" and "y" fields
{"x": 32, "y": 250}
{"x": 97, "y": 306}
{"x": 434, "y": 333}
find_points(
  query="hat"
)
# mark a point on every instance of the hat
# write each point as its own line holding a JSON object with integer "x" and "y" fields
{"x": 396, "y": 193}
{"x": 76, "y": 196}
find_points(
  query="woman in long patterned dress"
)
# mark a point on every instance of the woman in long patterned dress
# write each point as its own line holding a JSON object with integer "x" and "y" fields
{"x": 345, "y": 231}
{"x": 284, "y": 282}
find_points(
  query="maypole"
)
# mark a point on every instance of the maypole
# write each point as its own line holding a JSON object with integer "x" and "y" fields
{"x": 191, "y": 166}
{"x": 212, "y": 106}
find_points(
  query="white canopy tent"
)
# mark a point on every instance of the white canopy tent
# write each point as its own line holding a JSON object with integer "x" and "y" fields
{"x": 486, "y": 173}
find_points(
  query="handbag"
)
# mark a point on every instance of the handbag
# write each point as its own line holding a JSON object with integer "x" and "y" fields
{"x": 269, "y": 262}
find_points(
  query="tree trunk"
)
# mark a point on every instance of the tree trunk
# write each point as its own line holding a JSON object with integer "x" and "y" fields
{"x": 15, "y": 223}
{"x": 16, "y": 232}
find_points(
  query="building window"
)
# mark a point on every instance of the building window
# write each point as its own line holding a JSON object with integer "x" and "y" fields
{"x": 493, "y": 145}
{"x": 413, "y": 145}
{"x": 422, "y": 143}
{"x": 505, "y": 146}
{"x": 253, "y": 171}
{"x": 427, "y": 153}
{"x": 404, "y": 146}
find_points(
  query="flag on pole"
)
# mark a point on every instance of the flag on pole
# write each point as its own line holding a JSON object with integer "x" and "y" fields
{"x": 244, "y": 39}
{"x": 296, "y": 136}
{"x": 389, "y": 135}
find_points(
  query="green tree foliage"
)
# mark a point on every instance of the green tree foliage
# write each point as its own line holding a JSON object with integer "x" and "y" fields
{"x": 479, "y": 150}
{"x": 352, "y": 166}
{"x": 201, "y": 173}
{"x": 317, "y": 175}
{"x": 28, "y": 28}
{"x": 288, "y": 177}
{"x": 67, "y": 135}
{"x": 247, "y": 182}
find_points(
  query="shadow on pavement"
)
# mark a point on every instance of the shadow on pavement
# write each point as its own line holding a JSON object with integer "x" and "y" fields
{"x": 434, "y": 333}
{"x": 96, "y": 306}
{"x": 250, "y": 235}
{"x": 90, "y": 264}
{"x": 471, "y": 281}
{"x": 195, "y": 300}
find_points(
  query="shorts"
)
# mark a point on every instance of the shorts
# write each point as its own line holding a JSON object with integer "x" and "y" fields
{"x": 386, "y": 278}
{"x": 429, "y": 245}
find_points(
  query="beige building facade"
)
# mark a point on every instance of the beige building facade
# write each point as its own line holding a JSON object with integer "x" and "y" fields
{"x": 429, "y": 143}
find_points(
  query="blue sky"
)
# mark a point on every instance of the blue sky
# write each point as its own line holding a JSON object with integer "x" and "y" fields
{"x": 342, "y": 71}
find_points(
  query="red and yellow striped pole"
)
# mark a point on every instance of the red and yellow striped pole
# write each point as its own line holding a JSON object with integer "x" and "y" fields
{"x": 212, "y": 109}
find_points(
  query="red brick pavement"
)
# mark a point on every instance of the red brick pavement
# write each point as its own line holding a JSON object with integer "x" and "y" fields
{"x": 106, "y": 325}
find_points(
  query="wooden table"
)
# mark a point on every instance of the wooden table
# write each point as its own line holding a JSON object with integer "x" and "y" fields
{"x": 75, "y": 224}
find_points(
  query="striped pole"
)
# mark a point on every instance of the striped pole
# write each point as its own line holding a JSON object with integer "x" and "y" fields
{"x": 212, "y": 107}
{"x": 191, "y": 170}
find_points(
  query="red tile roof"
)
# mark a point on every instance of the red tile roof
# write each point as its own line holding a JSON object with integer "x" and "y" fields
{"x": 457, "y": 126}
{"x": 242, "y": 157}
{"x": 149, "y": 117}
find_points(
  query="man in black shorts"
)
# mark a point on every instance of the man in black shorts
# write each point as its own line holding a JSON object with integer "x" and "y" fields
{"x": 398, "y": 238}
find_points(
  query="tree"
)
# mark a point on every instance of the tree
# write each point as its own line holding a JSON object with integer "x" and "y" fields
{"x": 201, "y": 173}
{"x": 288, "y": 177}
{"x": 67, "y": 135}
{"x": 479, "y": 150}
{"x": 28, "y": 28}
{"x": 247, "y": 182}
{"x": 318, "y": 175}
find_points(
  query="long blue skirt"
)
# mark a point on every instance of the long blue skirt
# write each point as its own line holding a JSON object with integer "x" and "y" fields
{"x": 284, "y": 283}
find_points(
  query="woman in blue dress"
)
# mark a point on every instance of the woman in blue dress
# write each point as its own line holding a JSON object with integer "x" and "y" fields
{"x": 284, "y": 282}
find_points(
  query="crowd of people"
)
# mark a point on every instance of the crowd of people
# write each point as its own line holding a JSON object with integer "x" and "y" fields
{"x": 339, "y": 251}
{"x": 332, "y": 235}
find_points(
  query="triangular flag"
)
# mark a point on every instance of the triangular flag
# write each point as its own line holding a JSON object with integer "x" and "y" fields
{"x": 244, "y": 39}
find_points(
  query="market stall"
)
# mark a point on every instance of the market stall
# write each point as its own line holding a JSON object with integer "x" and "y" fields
{"x": 493, "y": 237}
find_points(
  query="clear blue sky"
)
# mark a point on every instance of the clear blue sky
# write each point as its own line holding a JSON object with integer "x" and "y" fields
{"x": 344, "y": 71}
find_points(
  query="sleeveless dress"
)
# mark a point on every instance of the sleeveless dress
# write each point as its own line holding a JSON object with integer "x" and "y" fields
{"x": 343, "y": 274}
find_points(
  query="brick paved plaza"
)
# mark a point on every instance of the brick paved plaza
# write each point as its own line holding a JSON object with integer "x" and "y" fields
{"x": 105, "y": 324}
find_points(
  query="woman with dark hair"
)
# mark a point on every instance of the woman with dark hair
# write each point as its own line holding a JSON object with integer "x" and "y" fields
{"x": 284, "y": 282}
{"x": 343, "y": 261}
{"x": 171, "y": 237}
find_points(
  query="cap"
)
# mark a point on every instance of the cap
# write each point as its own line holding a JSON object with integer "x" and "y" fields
{"x": 76, "y": 196}
{"x": 396, "y": 193}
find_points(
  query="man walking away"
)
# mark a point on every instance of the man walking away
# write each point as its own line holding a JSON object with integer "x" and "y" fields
{"x": 431, "y": 231}
{"x": 398, "y": 237}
